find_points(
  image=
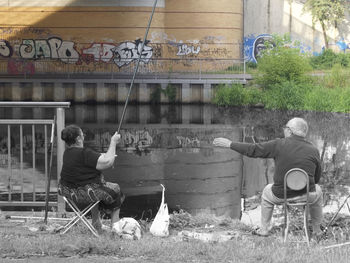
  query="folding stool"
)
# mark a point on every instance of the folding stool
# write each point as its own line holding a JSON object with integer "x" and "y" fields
{"x": 80, "y": 215}
{"x": 296, "y": 179}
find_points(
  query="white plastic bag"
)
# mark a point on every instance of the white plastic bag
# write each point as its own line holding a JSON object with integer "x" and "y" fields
{"x": 160, "y": 225}
{"x": 127, "y": 228}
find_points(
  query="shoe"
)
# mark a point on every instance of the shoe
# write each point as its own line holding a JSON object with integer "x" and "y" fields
{"x": 261, "y": 233}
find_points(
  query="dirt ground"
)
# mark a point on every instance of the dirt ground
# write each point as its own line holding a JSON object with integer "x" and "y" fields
{"x": 76, "y": 259}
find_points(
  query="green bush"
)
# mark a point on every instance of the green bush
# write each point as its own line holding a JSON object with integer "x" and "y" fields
{"x": 251, "y": 64}
{"x": 237, "y": 95}
{"x": 281, "y": 63}
{"x": 253, "y": 96}
{"x": 343, "y": 104}
{"x": 287, "y": 95}
{"x": 229, "y": 95}
{"x": 343, "y": 59}
{"x": 328, "y": 58}
{"x": 338, "y": 77}
{"x": 325, "y": 60}
{"x": 321, "y": 99}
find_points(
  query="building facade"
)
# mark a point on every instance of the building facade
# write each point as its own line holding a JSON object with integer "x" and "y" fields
{"x": 75, "y": 36}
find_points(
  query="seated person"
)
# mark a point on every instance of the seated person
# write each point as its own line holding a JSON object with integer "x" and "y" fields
{"x": 293, "y": 151}
{"x": 81, "y": 176}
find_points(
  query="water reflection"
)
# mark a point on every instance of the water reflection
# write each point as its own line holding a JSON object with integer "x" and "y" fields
{"x": 172, "y": 144}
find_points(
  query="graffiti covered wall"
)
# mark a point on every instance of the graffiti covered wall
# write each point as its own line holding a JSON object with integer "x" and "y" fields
{"x": 266, "y": 17}
{"x": 104, "y": 36}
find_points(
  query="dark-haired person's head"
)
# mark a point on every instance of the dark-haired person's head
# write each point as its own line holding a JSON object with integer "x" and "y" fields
{"x": 70, "y": 134}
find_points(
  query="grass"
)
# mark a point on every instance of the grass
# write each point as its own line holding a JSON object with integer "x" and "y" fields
{"x": 18, "y": 242}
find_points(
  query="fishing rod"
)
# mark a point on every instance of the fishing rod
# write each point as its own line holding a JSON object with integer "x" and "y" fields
{"x": 50, "y": 168}
{"x": 137, "y": 65}
{"x": 334, "y": 216}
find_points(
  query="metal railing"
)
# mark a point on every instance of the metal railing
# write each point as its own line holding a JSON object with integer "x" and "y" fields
{"x": 24, "y": 155}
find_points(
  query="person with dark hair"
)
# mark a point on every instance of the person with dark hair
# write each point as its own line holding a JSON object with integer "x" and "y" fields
{"x": 81, "y": 175}
{"x": 293, "y": 151}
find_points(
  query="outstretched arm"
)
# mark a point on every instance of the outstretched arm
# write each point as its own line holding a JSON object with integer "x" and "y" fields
{"x": 262, "y": 150}
{"x": 106, "y": 160}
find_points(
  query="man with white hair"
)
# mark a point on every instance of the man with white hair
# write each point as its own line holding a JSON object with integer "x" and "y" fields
{"x": 293, "y": 151}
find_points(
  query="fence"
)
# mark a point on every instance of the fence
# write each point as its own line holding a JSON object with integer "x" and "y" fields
{"x": 24, "y": 152}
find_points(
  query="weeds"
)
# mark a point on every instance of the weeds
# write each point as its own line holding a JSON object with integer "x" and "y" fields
{"x": 170, "y": 92}
{"x": 328, "y": 58}
{"x": 330, "y": 93}
{"x": 283, "y": 83}
{"x": 16, "y": 241}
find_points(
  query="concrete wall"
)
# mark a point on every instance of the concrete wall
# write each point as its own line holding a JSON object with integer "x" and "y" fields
{"x": 111, "y": 91}
{"x": 106, "y": 36}
{"x": 266, "y": 17}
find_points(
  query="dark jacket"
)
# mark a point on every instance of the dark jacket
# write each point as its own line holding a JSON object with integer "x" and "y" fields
{"x": 288, "y": 153}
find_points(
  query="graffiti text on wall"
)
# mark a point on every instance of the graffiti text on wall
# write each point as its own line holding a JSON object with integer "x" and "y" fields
{"x": 187, "y": 50}
{"x": 188, "y": 142}
{"x": 122, "y": 54}
{"x": 52, "y": 48}
{"x": 254, "y": 45}
{"x": 131, "y": 140}
{"x": 66, "y": 51}
{"x": 5, "y": 49}
{"x": 128, "y": 51}
{"x": 342, "y": 45}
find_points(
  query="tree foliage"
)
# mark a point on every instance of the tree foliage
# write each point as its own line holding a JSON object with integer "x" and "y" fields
{"x": 327, "y": 13}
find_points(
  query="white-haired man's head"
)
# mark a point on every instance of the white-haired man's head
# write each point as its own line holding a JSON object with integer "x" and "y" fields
{"x": 296, "y": 126}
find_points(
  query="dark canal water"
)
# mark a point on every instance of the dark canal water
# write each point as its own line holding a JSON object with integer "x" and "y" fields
{"x": 172, "y": 145}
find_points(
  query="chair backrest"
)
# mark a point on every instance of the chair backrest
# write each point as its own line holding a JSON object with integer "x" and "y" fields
{"x": 296, "y": 179}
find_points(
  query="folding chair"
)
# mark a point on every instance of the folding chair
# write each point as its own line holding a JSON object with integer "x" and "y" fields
{"x": 296, "y": 179}
{"x": 80, "y": 215}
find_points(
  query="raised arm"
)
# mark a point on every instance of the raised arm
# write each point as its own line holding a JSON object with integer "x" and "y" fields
{"x": 106, "y": 160}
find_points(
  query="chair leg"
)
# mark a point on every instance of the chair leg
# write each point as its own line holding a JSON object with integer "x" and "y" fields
{"x": 80, "y": 215}
{"x": 286, "y": 228}
{"x": 286, "y": 223}
{"x": 306, "y": 225}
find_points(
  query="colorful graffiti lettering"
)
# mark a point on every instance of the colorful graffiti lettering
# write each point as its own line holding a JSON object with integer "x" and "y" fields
{"x": 127, "y": 52}
{"x": 342, "y": 45}
{"x": 186, "y": 50}
{"x": 5, "y": 49}
{"x": 254, "y": 45}
{"x": 122, "y": 54}
{"x": 100, "y": 52}
{"x": 53, "y": 48}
